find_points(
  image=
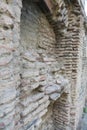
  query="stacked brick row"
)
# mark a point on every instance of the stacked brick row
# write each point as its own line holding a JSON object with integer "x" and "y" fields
{"x": 82, "y": 70}
{"x": 41, "y": 82}
{"x": 63, "y": 47}
{"x": 75, "y": 60}
{"x": 61, "y": 112}
{"x": 69, "y": 48}
{"x": 32, "y": 99}
{"x": 77, "y": 46}
{"x": 60, "y": 13}
{"x": 38, "y": 88}
{"x": 9, "y": 71}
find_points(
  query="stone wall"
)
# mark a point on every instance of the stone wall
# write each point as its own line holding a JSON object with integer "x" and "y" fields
{"x": 73, "y": 57}
{"x": 30, "y": 70}
{"x": 35, "y": 60}
{"x": 40, "y": 67}
{"x": 69, "y": 49}
{"x": 9, "y": 66}
{"x": 84, "y": 75}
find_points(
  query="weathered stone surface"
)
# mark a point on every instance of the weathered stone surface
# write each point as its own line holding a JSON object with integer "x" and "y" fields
{"x": 54, "y": 96}
{"x": 34, "y": 58}
{"x": 40, "y": 68}
{"x": 53, "y": 89}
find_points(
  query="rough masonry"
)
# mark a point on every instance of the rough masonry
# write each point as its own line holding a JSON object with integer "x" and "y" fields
{"x": 42, "y": 64}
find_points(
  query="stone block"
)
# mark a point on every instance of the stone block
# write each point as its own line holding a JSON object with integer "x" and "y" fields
{"x": 54, "y": 96}
{"x": 53, "y": 89}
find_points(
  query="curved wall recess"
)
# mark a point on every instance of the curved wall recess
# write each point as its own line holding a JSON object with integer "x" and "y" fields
{"x": 42, "y": 81}
{"x": 32, "y": 75}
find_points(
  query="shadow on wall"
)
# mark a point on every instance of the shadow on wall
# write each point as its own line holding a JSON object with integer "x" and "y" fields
{"x": 42, "y": 76}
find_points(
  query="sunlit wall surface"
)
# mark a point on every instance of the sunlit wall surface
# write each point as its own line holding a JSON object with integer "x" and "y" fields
{"x": 83, "y": 4}
{"x": 86, "y": 7}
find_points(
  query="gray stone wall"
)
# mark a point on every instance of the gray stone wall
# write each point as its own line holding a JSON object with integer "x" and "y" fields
{"x": 36, "y": 56}
{"x": 30, "y": 70}
{"x": 40, "y": 68}
{"x": 9, "y": 66}
{"x": 69, "y": 49}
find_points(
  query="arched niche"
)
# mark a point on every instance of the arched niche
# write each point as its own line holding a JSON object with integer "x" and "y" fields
{"x": 40, "y": 69}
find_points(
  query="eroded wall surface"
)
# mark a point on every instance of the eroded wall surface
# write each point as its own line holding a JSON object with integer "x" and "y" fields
{"x": 41, "y": 70}
{"x": 70, "y": 48}
{"x": 36, "y": 56}
{"x": 9, "y": 62}
{"x": 30, "y": 71}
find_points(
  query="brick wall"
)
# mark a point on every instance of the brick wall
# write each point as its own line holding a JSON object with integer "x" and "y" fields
{"x": 33, "y": 69}
{"x": 40, "y": 67}
{"x": 73, "y": 57}
{"x": 69, "y": 49}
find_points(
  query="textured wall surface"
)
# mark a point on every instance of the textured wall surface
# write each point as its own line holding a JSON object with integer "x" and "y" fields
{"x": 38, "y": 53}
{"x": 70, "y": 48}
{"x": 40, "y": 68}
{"x": 9, "y": 65}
